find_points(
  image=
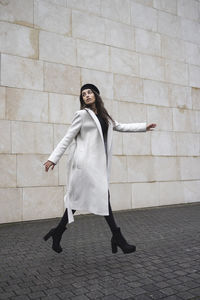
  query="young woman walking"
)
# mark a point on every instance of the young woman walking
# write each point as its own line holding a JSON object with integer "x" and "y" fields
{"x": 89, "y": 164}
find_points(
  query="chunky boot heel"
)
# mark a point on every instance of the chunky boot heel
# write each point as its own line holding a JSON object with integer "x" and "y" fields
{"x": 119, "y": 240}
{"x": 56, "y": 234}
{"x": 113, "y": 246}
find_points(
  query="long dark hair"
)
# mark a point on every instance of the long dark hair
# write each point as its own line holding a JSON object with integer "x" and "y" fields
{"x": 101, "y": 110}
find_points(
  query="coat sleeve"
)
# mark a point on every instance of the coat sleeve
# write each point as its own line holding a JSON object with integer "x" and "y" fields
{"x": 67, "y": 139}
{"x": 130, "y": 127}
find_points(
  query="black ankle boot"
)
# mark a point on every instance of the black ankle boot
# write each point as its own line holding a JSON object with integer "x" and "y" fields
{"x": 56, "y": 234}
{"x": 118, "y": 240}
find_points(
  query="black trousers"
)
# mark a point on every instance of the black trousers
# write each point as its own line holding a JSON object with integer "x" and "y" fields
{"x": 109, "y": 219}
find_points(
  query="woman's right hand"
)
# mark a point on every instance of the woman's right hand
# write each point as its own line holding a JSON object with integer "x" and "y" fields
{"x": 48, "y": 164}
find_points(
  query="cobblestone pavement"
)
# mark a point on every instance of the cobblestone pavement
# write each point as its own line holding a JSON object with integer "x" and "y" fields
{"x": 166, "y": 264}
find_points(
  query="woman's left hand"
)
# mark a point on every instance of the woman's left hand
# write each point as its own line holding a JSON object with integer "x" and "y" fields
{"x": 150, "y": 126}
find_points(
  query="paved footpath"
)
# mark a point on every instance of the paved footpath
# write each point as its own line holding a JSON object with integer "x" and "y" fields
{"x": 166, "y": 264}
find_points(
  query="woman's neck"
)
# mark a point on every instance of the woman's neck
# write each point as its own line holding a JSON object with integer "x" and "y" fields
{"x": 93, "y": 107}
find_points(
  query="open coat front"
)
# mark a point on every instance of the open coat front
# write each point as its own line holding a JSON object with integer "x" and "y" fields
{"x": 89, "y": 162}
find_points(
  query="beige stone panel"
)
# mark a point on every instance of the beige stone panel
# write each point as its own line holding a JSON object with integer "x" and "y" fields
{"x": 172, "y": 48}
{"x": 92, "y": 55}
{"x": 52, "y": 17}
{"x": 145, "y": 194}
{"x": 162, "y": 116}
{"x": 87, "y": 26}
{"x": 57, "y": 48}
{"x": 143, "y": 16}
{"x": 103, "y": 80}
{"x": 26, "y": 105}
{"x": 163, "y": 143}
{"x": 62, "y": 79}
{"x": 131, "y": 112}
{"x": 62, "y": 171}
{"x": 166, "y": 5}
{"x": 23, "y": 72}
{"x": 62, "y": 108}
{"x": 58, "y": 2}
{"x": 176, "y": 72}
{"x": 117, "y": 147}
{"x": 171, "y": 193}
{"x": 190, "y": 31}
{"x": 156, "y": 93}
{"x": 147, "y": 42}
{"x": 42, "y": 203}
{"x": 197, "y": 121}
{"x": 169, "y": 24}
{"x": 136, "y": 143}
{"x": 187, "y": 144}
{"x": 166, "y": 168}
{"x": 196, "y": 98}
{"x": 28, "y": 137}
{"x": 18, "y": 40}
{"x": 152, "y": 67}
{"x": 188, "y": 9}
{"x": 8, "y": 170}
{"x": 189, "y": 167}
{"x": 192, "y": 53}
{"x": 194, "y": 76}
{"x": 140, "y": 168}
{"x": 124, "y": 62}
{"x": 111, "y": 107}
{"x": 59, "y": 132}
{"x": 117, "y": 10}
{"x": 17, "y": 11}
{"x": 120, "y": 196}
{"x": 145, "y": 2}
{"x": 180, "y": 96}
{"x": 5, "y": 134}
{"x": 31, "y": 171}
{"x": 119, "y": 35}
{"x": 11, "y": 205}
{"x": 128, "y": 88}
{"x": 2, "y": 102}
{"x": 191, "y": 191}
{"x": 86, "y": 5}
{"x": 184, "y": 120}
{"x": 118, "y": 169}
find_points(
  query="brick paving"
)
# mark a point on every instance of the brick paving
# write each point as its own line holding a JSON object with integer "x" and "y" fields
{"x": 166, "y": 264}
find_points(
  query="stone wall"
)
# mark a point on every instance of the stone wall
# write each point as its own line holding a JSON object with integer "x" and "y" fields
{"x": 144, "y": 55}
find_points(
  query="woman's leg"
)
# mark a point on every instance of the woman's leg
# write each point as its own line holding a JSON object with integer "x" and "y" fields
{"x": 110, "y": 219}
{"x": 64, "y": 220}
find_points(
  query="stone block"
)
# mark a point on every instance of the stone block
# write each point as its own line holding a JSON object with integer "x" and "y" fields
{"x": 26, "y": 105}
{"x": 169, "y": 6}
{"x": 92, "y": 55}
{"x": 57, "y": 48}
{"x": 188, "y": 9}
{"x": 180, "y": 96}
{"x": 118, "y": 169}
{"x": 23, "y": 72}
{"x": 188, "y": 144}
{"x": 163, "y": 143}
{"x": 120, "y": 196}
{"x": 136, "y": 143}
{"x": 183, "y": 120}
{"x": 171, "y": 193}
{"x": 192, "y": 53}
{"x": 11, "y": 205}
{"x": 143, "y": 16}
{"x": 62, "y": 108}
{"x": 190, "y": 31}
{"x": 145, "y": 2}
{"x": 173, "y": 48}
{"x": 37, "y": 176}
{"x": 152, "y": 67}
{"x": 86, "y": 5}
{"x": 196, "y": 98}
{"x": 191, "y": 190}
{"x": 117, "y": 147}
{"x": 28, "y": 137}
{"x": 166, "y": 168}
{"x": 18, "y": 40}
{"x": 17, "y": 11}
{"x": 103, "y": 80}
{"x": 162, "y": 116}
{"x": 42, "y": 202}
{"x": 197, "y": 121}
{"x": 62, "y": 79}
{"x": 189, "y": 168}
{"x": 124, "y": 62}
{"x": 131, "y": 112}
{"x": 128, "y": 88}
{"x": 8, "y": 170}
{"x": 2, "y": 102}
{"x": 117, "y": 10}
{"x": 119, "y": 35}
{"x": 140, "y": 168}
{"x": 156, "y": 93}
{"x": 176, "y": 72}
{"x": 62, "y": 171}
{"x": 58, "y": 2}
{"x": 145, "y": 194}
{"x": 5, "y": 133}
{"x": 91, "y": 27}
{"x": 147, "y": 42}
{"x": 52, "y": 17}
{"x": 194, "y": 76}
{"x": 59, "y": 132}
{"x": 169, "y": 24}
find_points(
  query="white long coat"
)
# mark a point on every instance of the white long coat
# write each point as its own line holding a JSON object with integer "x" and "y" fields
{"x": 89, "y": 162}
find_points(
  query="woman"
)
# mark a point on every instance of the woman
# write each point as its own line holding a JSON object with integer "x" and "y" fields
{"x": 89, "y": 164}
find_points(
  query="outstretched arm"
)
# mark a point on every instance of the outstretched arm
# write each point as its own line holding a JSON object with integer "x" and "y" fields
{"x": 130, "y": 127}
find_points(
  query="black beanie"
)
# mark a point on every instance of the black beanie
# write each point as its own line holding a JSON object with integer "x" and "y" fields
{"x": 90, "y": 86}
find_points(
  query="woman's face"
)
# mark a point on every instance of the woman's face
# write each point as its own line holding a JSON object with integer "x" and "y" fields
{"x": 88, "y": 96}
